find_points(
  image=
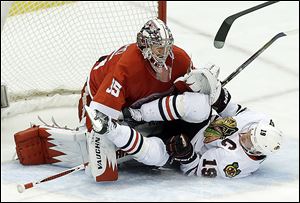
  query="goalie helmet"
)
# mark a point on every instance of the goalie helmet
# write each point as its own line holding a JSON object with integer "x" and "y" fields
{"x": 155, "y": 41}
{"x": 265, "y": 139}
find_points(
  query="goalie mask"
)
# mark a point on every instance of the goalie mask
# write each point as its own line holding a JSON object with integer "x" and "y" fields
{"x": 261, "y": 139}
{"x": 155, "y": 41}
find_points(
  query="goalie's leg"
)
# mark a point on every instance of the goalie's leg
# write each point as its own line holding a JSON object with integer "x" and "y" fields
{"x": 102, "y": 158}
{"x": 147, "y": 150}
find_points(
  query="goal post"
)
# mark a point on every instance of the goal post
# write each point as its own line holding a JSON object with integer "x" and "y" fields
{"x": 49, "y": 47}
{"x": 162, "y": 10}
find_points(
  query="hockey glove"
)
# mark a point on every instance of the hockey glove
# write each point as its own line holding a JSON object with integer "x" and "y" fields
{"x": 202, "y": 80}
{"x": 180, "y": 149}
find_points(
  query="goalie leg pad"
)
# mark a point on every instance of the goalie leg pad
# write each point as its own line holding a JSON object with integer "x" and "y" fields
{"x": 102, "y": 159}
{"x": 47, "y": 145}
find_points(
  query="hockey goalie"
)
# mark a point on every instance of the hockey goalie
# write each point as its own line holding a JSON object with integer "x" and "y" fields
{"x": 127, "y": 77}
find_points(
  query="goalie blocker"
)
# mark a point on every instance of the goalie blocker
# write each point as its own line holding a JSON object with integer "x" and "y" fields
{"x": 67, "y": 148}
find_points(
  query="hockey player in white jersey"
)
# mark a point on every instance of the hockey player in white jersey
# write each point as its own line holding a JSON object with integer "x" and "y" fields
{"x": 232, "y": 144}
{"x": 229, "y": 147}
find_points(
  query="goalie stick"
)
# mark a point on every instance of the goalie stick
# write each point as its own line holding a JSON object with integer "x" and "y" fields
{"x": 254, "y": 56}
{"x": 22, "y": 187}
{"x": 221, "y": 35}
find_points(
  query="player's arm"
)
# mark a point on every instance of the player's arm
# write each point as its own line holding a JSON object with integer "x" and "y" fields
{"x": 110, "y": 96}
{"x": 180, "y": 149}
{"x": 214, "y": 162}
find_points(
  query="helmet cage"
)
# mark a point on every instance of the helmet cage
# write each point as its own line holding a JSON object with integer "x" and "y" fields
{"x": 156, "y": 35}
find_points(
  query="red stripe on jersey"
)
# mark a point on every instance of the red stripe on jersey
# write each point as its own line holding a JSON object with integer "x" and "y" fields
{"x": 168, "y": 107}
{"x": 135, "y": 143}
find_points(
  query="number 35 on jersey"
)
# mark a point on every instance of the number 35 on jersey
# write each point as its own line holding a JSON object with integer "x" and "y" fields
{"x": 114, "y": 88}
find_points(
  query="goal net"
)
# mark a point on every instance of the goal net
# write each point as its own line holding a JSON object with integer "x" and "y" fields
{"x": 49, "y": 47}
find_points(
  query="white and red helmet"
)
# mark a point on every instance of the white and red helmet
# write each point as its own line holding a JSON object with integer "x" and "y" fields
{"x": 155, "y": 35}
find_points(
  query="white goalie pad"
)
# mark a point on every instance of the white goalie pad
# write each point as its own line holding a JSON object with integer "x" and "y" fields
{"x": 72, "y": 143}
{"x": 102, "y": 159}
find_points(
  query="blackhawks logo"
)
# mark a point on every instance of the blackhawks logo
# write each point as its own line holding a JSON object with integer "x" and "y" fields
{"x": 232, "y": 170}
{"x": 220, "y": 129}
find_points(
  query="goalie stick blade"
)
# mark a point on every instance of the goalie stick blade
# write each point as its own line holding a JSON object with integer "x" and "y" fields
{"x": 222, "y": 33}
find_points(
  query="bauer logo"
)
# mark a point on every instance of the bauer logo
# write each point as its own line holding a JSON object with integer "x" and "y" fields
{"x": 98, "y": 152}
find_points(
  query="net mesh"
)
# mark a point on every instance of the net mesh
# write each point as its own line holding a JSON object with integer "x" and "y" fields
{"x": 49, "y": 47}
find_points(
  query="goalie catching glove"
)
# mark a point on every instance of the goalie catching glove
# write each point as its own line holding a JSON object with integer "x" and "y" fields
{"x": 202, "y": 80}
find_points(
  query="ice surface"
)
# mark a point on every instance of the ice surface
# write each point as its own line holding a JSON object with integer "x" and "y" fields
{"x": 269, "y": 84}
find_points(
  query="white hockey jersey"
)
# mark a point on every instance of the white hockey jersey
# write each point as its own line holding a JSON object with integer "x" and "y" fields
{"x": 225, "y": 157}
{"x": 222, "y": 156}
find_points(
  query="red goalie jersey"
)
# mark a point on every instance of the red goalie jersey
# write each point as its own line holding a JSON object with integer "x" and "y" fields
{"x": 124, "y": 78}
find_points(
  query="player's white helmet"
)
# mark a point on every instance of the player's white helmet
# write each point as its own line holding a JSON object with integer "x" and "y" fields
{"x": 265, "y": 139}
{"x": 155, "y": 41}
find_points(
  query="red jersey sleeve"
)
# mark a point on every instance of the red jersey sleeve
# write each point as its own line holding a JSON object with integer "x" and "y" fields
{"x": 110, "y": 96}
